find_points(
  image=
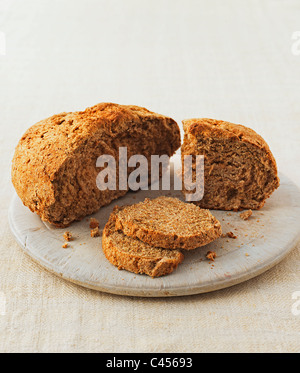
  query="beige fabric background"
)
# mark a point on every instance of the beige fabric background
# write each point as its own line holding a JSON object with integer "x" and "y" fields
{"x": 232, "y": 60}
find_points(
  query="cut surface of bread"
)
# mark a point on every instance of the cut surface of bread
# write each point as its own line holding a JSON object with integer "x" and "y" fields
{"x": 54, "y": 166}
{"x": 240, "y": 171}
{"x": 136, "y": 256}
{"x": 168, "y": 222}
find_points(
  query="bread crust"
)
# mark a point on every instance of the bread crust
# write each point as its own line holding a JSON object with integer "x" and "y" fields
{"x": 54, "y": 164}
{"x": 200, "y": 129}
{"x": 221, "y": 129}
{"x": 136, "y": 256}
{"x": 169, "y": 223}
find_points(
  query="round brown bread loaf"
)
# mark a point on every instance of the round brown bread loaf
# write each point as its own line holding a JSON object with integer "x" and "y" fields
{"x": 54, "y": 166}
{"x": 168, "y": 222}
{"x": 240, "y": 171}
{"x": 136, "y": 256}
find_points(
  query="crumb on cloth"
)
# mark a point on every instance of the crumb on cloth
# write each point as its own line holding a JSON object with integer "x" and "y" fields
{"x": 65, "y": 245}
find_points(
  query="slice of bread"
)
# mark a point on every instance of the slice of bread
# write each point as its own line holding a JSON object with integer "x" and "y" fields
{"x": 136, "y": 256}
{"x": 169, "y": 223}
{"x": 240, "y": 171}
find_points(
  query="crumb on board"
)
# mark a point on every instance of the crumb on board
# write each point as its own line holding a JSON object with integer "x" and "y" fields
{"x": 211, "y": 255}
{"x": 247, "y": 254}
{"x": 228, "y": 234}
{"x": 94, "y": 223}
{"x": 231, "y": 235}
{"x": 95, "y": 232}
{"x": 67, "y": 236}
{"x": 245, "y": 215}
{"x": 65, "y": 245}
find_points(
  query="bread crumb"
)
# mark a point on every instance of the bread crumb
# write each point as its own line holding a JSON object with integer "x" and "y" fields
{"x": 95, "y": 232}
{"x": 211, "y": 255}
{"x": 246, "y": 214}
{"x": 231, "y": 235}
{"x": 94, "y": 223}
{"x": 67, "y": 236}
{"x": 228, "y": 234}
{"x": 247, "y": 254}
{"x": 65, "y": 245}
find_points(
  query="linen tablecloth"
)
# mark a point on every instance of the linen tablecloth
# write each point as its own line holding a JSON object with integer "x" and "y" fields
{"x": 232, "y": 60}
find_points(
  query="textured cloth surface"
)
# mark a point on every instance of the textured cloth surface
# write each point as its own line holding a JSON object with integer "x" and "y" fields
{"x": 231, "y": 60}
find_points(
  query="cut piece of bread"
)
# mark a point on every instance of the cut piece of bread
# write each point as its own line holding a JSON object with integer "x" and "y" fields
{"x": 54, "y": 166}
{"x": 240, "y": 171}
{"x": 169, "y": 223}
{"x": 136, "y": 256}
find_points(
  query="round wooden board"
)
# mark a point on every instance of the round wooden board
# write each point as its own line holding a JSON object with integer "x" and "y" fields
{"x": 262, "y": 241}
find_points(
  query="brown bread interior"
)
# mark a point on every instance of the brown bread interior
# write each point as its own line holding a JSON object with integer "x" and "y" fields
{"x": 238, "y": 173}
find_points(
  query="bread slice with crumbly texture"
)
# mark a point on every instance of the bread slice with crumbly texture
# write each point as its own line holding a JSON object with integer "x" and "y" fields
{"x": 240, "y": 171}
{"x": 54, "y": 169}
{"x": 136, "y": 256}
{"x": 169, "y": 223}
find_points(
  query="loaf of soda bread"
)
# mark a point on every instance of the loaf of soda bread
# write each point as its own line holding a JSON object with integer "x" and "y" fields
{"x": 240, "y": 171}
{"x": 54, "y": 166}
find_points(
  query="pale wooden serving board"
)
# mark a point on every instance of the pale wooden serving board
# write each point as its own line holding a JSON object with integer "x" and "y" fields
{"x": 262, "y": 241}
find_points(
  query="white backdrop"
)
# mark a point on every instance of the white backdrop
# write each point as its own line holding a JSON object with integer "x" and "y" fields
{"x": 235, "y": 60}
